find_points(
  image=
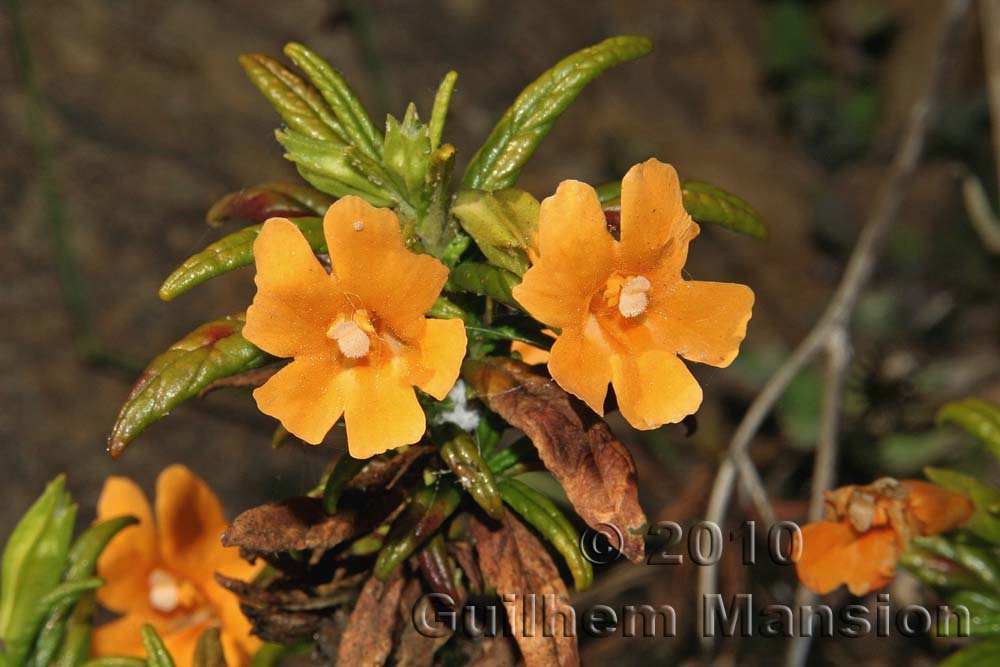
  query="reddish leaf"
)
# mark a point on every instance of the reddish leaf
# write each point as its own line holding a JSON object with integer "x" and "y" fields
{"x": 595, "y": 469}
{"x": 516, "y": 563}
{"x": 269, "y": 200}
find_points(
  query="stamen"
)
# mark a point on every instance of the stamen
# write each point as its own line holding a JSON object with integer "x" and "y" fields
{"x": 351, "y": 339}
{"x": 633, "y": 299}
{"x": 164, "y": 593}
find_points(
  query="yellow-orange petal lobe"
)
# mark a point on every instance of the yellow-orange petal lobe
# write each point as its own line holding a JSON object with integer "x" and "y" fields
{"x": 295, "y": 299}
{"x": 374, "y": 268}
{"x": 382, "y": 410}
{"x": 936, "y": 509}
{"x": 833, "y": 554}
{"x": 580, "y": 363}
{"x": 654, "y": 388}
{"x": 704, "y": 322}
{"x": 189, "y": 524}
{"x": 307, "y": 396}
{"x": 655, "y": 227}
{"x": 127, "y": 560}
{"x": 442, "y": 348}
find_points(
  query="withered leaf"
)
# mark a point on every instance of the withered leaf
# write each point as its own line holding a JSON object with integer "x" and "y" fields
{"x": 269, "y": 200}
{"x": 383, "y": 472}
{"x": 416, "y": 649}
{"x": 516, "y": 563}
{"x": 251, "y": 378}
{"x": 300, "y": 524}
{"x": 595, "y": 469}
{"x": 367, "y": 639}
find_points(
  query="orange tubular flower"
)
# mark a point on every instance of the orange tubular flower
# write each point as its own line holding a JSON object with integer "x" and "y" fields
{"x": 162, "y": 572}
{"x": 624, "y": 311}
{"x": 358, "y": 335}
{"x": 867, "y": 528}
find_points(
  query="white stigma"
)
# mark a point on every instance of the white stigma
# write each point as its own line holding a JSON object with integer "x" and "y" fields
{"x": 633, "y": 299}
{"x": 358, "y": 225}
{"x": 351, "y": 339}
{"x": 164, "y": 593}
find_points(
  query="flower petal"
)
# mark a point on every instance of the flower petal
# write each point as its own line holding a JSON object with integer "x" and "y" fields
{"x": 307, "y": 396}
{"x": 654, "y": 387}
{"x": 382, "y": 411}
{"x": 573, "y": 238}
{"x": 374, "y": 268}
{"x": 121, "y": 636}
{"x": 442, "y": 348}
{"x": 655, "y": 227}
{"x": 296, "y": 298}
{"x": 821, "y": 564}
{"x": 238, "y": 644}
{"x": 530, "y": 354}
{"x": 703, "y": 322}
{"x": 126, "y": 562}
{"x": 190, "y": 523}
{"x": 580, "y": 364}
{"x": 874, "y": 556}
{"x": 937, "y": 509}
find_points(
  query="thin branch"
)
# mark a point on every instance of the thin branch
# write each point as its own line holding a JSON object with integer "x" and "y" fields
{"x": 837, "y": 316}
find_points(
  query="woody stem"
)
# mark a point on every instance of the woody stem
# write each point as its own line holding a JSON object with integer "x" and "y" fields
{"x": 835, "y": 321}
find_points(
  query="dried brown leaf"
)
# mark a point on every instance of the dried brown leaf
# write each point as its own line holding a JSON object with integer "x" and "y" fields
{"x": 516, "y": 563}
{"x": 416, "y": 649}
{"x": 367, "y": 639}
{"x": 595, "y": 469}
{"x": 300, "y": 524}
{"x": 382, "y": 472}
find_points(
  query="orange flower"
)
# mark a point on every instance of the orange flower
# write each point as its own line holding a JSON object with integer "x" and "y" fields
{"x": 358, "y": 335}
{"x": 624, "y": 312}
{"x": 162, "y": 572}
{"x": 867, "y": 528}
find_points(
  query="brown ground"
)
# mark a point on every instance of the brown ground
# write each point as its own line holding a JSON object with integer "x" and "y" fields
{"x": 151, "y": 119}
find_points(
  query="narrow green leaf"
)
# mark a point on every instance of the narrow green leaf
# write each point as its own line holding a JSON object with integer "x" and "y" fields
{"x": 208, "y": 652}
{"x": 75, "y": 645}
{"x": 269, "y": 200}
{"x": 439, "y": 112}
{"x": 498, "y": 163}
{"x": 548, "y": 520}
{"x": 428, "y": 509}
{"x": 705, "y": 203}
{"x": 212, "y": 351}
{"x": 157, "y": 654}
{"x": 342, "y": 100}
{"x": 346, "y": 468}
{"x": 116, "y": 661}
{"x": 485, "y": 280}
{"x": 230, "y": 253}
{"x": 979, "y": 418}
{"x": 339, "y": 170}
{"x": 298, "y": 103}
{"x": 438, "y": 231}
{"x": 70, "y": 591}
{"x": 407, "y": 152}
{"x": 463, "y": 457}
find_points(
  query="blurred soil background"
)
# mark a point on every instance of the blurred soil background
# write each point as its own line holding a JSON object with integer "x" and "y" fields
{"x": 796, "y": 106}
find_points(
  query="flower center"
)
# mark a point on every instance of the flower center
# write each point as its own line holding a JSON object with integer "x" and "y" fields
{"x": 352, "y": 335}
{"x": 629, "y": 295}
{"x": 167, "y": 594}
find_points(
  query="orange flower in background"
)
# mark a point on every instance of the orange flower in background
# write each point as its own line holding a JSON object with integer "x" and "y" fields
{"x": 358, "y": 336}
{"x": 867, "y": 528}
{"x": 162, "y": 572}
{"x": 625, "y": 313}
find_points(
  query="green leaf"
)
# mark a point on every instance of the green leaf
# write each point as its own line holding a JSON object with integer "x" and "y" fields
{"x": 428, "y": 509}
{"x": 502, "y": 224}
{"x": 986, "y": 498}
{"x": 298, "y": 103}
{"x": 269, "y": 200}
{"x": 553, "y": 525}
{"x": 75, "y": 645}
{"x": 338, "y": 169}
{"x": 208, "y": 652}
{"x": 407, "y": 153}
{"x": 463, "y": 457}
{"x": 212, "y": 351}
{"x": 978, "y": 418}
{"x": 484, "y": 280}
{"x": 439, "y": 112}
{"x": 438, "y": 232}
{"x": 346, "y": 468}
{"x": 33, "y": 562}
{"x": 70, "y": 591}
{"x": 983, "y": 654}
{"x": 157, "y": 654}
{"x": 343, "y": 102}
{"x": 705, "y": 203}
{"x": 498, "y": 163}
{"x": 230, "y": 253}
